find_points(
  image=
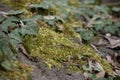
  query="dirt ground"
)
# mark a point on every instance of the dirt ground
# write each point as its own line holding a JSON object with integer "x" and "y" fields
{"x": 42, "y": 72}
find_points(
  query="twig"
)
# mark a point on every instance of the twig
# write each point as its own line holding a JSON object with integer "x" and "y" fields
{"x": 22, "y": 49}
{"x": 95, "y": 48}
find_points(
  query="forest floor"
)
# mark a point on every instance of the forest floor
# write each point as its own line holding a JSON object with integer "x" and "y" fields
{"x": 105, "y": 43}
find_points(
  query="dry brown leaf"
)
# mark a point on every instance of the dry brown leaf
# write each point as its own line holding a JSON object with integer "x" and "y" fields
{"x": 101, "y": 74}
{"x": 59, "y": 26}
{"x": 86, "y": 75}
{"x": 49, "y": 17}
{"x": 90, "y": 66}
{"x": 94, "y": 47}
{"x": 109, "y": 59}
{"x": 100, "y": 42}
{"x": 118, "y": 72}
{"x": 113, "y": 42}
{"x": 108, "y": 34}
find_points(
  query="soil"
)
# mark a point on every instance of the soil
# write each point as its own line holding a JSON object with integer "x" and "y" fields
{"x": 42, "y": 72}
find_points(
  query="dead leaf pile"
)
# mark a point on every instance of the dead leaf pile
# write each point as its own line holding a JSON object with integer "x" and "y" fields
{"x": 108, "y": 46}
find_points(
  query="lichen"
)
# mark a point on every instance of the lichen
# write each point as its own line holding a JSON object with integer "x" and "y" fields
{"x": 56, "y": 48}
{"x": 22, "y": 72}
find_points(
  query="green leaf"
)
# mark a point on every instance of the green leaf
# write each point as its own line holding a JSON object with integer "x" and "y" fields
{"x": 30, "y": 27}
{"x": 86, "y": 68}
{"x": 88, "y": 1}
{"x": 7, "y": 65}
{"x": 2, "y": 19}
{"x": 111, "y": 29}
{"x": 4, "y": 46}
{"x": 15, "y": 38}
{"x": 9, "y": 22}
{"x": 12, "y": 12}
{"x": 96, "y": 68}
{"x": 87, "y": 35}
{"x": 38, "y": 17}
{"x": 116, "y": 9}
{"x": 93, "y": 76}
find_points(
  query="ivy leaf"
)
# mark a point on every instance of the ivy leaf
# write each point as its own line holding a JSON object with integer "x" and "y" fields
{"x": 93, "y": 76}
{"x": 15, "y": 38}
{"x": 38, "y": 17}
{"x": 30, "y": 27}
{"x": 2, "y": 19}
{"x": 8, "y": 22}
{"x": 7, "y": 65}
{"x": 111, "y": 29}
{"x": 5, "y": 27}
{"x": 27, "y": 30}
{"x": 4, "y": 46}
{"x": 116, "y": 9}
{"x": 5, "y": 52}
{"x": 87, "y": 35}
{"x": 85, "y": 68}
{"x": 18, "y": 12}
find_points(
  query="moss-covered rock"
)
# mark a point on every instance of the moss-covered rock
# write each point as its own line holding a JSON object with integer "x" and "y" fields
{"x": 55, "y": 49}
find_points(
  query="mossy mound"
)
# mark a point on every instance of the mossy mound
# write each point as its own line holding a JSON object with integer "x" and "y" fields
{"x": 20, "y": 4}
{"x": 55, "y": 49}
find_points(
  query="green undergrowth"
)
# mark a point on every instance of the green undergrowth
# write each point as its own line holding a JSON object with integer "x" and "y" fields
{"x": 55, "y": 49}
{"x": 22, "y": 71}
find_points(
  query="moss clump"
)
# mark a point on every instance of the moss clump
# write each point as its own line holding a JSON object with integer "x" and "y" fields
{"x": 20, "y": 4}
{"x": 50, "y": 44}
{"x": 73, "y": 2}
{"x": 22, "y": 72}
{"x": 56, "y": 49}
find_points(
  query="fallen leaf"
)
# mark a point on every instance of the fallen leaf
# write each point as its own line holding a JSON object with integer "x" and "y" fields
{"x": 94, "y": 47}
{"x": 101, "y": 74}
{"x": 86, "y": 75}
{"x": 109, "y": 59}
{"x": 59, "y": 26}
{"x": 108, "y": 34}
{"x": 90, "y": 66}
{"x": 49, "y": 17}
{"x": 113, "y": 42}
{"x": 118, "y": 72}
{"x": 100, "y": 42}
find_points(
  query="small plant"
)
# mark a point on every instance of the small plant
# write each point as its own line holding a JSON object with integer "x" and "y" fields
{"x": 12, "y": 29}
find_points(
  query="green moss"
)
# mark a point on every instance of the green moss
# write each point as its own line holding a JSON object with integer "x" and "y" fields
{"x": 56, "y": 48}
{"x": 73, "y": 2}
{"x": 50, "y": 43}
{"x": 20, "y": 4}
{"x": 21, "y": 72}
